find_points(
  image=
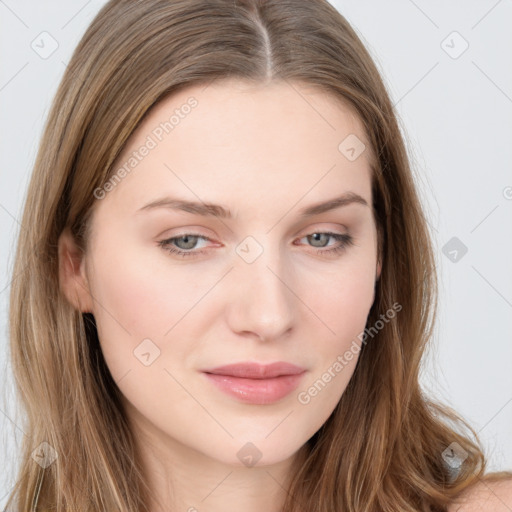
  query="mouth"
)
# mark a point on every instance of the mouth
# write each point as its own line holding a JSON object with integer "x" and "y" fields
{"x": 254, "y": 383}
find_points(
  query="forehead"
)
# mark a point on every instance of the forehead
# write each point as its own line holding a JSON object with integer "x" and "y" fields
{"x": 230, "y": 138}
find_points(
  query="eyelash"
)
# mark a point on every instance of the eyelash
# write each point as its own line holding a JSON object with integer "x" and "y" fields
{"x": 345, "y": 239}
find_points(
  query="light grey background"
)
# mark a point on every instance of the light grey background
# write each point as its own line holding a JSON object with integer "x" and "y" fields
{"x": 456, "y": 113}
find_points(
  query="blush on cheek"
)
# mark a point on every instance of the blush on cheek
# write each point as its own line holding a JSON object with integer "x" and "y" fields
{"x": 123, "y": 313}
{"x": 349, "y": 300}
{"x": 133, "y": 303}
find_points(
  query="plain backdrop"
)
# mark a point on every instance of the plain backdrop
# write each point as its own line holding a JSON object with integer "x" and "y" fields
{"x": 448, "y": 68}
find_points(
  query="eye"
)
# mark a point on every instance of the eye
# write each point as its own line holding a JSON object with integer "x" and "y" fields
{"x": 187, "y": 243}
{"x": 344, "y": 240}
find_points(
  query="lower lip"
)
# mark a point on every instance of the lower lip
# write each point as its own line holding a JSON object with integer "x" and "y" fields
{"x": 256, "y": 391}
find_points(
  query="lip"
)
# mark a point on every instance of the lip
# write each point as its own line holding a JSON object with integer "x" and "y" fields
{"x": 255, "y": 383}
{"x": 250, "y": 370}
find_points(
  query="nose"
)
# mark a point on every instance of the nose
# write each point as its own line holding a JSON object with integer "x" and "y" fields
{"x": 262, "y": 303}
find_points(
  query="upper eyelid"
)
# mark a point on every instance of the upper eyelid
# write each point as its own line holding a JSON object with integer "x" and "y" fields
{"x": 325, "y": 225}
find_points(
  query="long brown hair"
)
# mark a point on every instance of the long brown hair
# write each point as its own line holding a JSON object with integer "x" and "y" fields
{"x": 384, "y": 446}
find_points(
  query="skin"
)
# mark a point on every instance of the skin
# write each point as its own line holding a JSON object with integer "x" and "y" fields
{"x": 265, "y": 152}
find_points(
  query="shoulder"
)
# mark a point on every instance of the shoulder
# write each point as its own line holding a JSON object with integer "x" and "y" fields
{"x": 495, "y": 496}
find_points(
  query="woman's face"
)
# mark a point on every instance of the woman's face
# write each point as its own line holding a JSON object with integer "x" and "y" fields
{"x": 264, "y": 283}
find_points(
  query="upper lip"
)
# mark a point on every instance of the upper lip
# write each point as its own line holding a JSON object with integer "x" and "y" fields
{"x": 257, "y": 371}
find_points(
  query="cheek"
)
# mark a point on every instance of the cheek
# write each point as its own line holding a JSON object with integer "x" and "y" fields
{"x": 343, "y": 300}
{"x": 343, "y": 308}
{"x": 134, "y": 301}
{"x": 140, "y": 297}
{"x": 341, "y": 293}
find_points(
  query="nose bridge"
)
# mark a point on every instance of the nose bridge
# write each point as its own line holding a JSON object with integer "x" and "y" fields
{"x": 264, "y": 301}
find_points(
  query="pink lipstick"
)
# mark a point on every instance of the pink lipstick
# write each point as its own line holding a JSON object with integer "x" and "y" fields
{"x": 256, "y": 383}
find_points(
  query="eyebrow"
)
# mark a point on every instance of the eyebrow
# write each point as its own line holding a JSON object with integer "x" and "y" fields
{"x": 216, "y": 210}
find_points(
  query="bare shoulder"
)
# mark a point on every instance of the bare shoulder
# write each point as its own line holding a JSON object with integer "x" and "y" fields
{"x": 486, "y": 496}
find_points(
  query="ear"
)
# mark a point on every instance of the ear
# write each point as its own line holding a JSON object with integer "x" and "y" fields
{"x": 72, "y": 276}
{"x": 379, "y": 255}
{"x": 379, "y": 269}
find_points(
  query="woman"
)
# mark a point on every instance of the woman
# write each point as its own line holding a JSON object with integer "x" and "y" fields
{"x": 227, "y": 281}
